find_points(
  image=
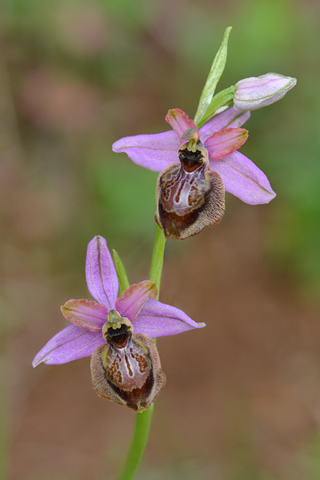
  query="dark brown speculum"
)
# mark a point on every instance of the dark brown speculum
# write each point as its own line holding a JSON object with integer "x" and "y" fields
{"x": 127, "y": 370}
{"x": 190, "y": 197}
{"x": 190, "y": 160}
{"x": 119, "y": 337}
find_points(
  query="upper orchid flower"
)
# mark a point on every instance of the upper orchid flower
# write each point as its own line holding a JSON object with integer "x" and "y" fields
{"x": 125, "y": 366}
{"x": 199, "y": 202}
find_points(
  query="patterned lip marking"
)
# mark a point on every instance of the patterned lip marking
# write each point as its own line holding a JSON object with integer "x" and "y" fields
{"x": 131, "y": 375}
{"x": 180, "y": 190}
{"x": 190, "y": 196}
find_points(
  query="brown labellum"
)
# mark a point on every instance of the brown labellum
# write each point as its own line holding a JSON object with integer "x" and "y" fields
{"x": 127, "y": 370}
{"x": 190, "y": 197}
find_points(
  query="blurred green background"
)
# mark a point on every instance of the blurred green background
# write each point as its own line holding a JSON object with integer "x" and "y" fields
{"x": 74, "y": 77}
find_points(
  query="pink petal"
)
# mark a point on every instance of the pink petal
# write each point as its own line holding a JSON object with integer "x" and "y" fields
{"x": 180, "y": 122}
{"x": 226, "y": 119}
{"x": 155, "y": 152}
{"x": 131, "y": 301}
{"x": 69, "y": 344}
{"x": 225, "y": 141}
{"x": 102, "y": 279}
{"x": 244, "y": 179}
{"x": 157, "y": 319}
{"x": 86, "y": 314}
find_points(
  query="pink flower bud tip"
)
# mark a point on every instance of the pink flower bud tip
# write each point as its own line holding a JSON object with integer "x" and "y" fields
{"x": 256, "y": 92}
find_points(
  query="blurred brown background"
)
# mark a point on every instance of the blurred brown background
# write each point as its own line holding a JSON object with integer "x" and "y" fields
{"x": 242, "y": 401}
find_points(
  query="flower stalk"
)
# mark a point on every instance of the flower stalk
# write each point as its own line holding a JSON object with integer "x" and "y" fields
{"x": 143, "y": 420}
{"x": 138, "y": 445}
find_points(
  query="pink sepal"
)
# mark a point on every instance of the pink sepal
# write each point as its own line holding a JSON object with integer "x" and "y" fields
{"x": 69, "y": 344}
{"x": 243, "y": 179}
{"x": 101, "y": 275}
{"x": 157, "y": 319}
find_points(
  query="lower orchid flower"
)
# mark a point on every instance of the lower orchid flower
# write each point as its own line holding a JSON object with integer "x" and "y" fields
{"x": 125, "y": 363}
{"x": 190, "y": 194}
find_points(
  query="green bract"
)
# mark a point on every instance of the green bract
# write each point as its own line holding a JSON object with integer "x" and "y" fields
{"x": 121, "y": 272}
{"x": 214, "y": 76}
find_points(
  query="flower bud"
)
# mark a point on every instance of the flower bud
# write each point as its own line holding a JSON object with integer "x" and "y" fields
{"x": 256, "y": 92}
{"x": 127, "y": 369}
{"x": 190, "y": 197}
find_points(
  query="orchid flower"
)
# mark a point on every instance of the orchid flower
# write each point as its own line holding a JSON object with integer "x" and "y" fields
{"x": 241, "y": 177}
{"x": 218, "y": 141}
{"x": 125, "y": 364}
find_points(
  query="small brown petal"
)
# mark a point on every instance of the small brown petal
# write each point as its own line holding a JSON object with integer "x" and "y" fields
{"x": 131, "y": 375}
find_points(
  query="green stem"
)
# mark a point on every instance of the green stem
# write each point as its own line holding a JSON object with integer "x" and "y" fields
{"x": 139, "y": 442}
{"x": 143, "y": 420}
